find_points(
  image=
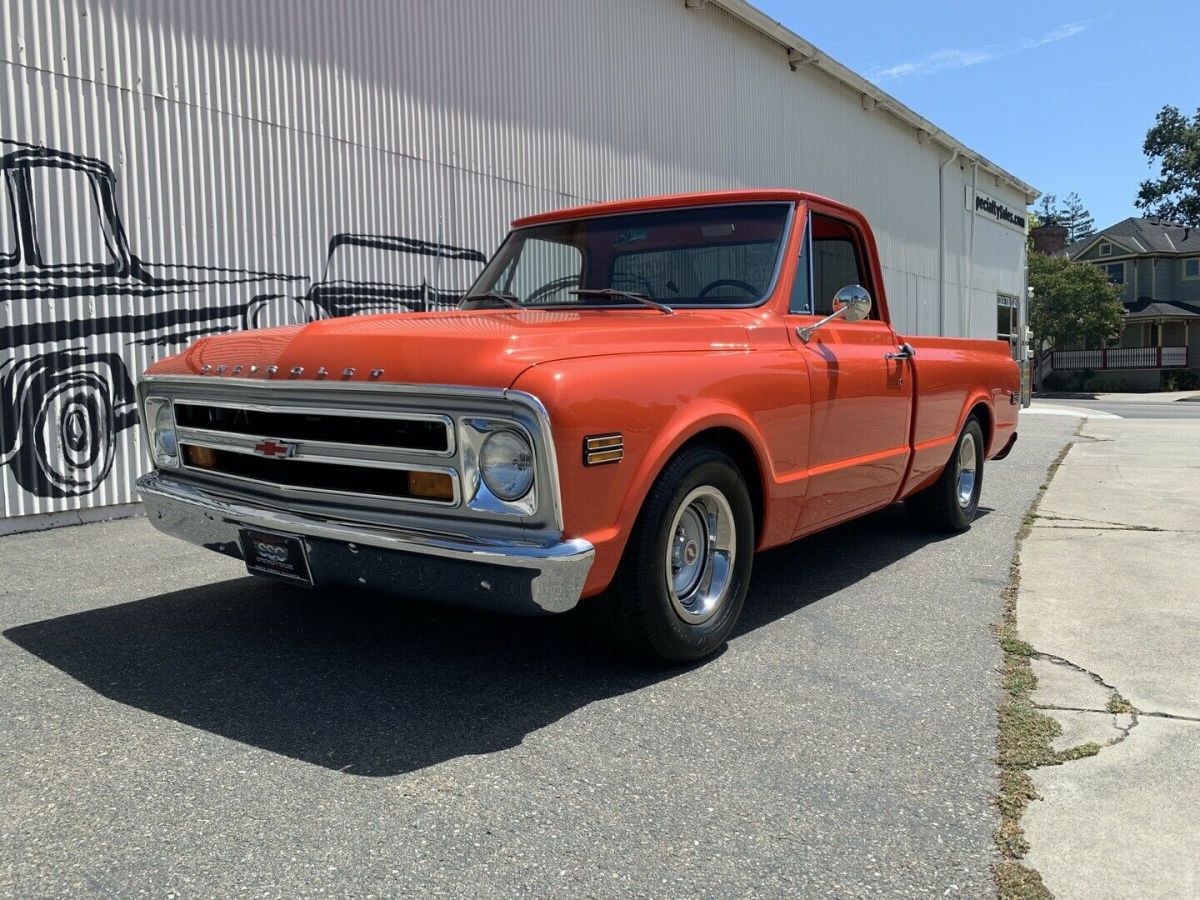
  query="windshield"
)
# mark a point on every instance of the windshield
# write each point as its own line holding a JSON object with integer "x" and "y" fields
{"x": 716, "y": 256}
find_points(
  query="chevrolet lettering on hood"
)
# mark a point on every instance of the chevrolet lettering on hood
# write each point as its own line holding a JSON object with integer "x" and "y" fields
{"x": 321, "y": 373}
{"x": 631, "y": 401}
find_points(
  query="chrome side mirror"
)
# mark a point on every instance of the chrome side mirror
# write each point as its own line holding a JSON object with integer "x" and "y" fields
{"x": 854, "y": 300}
{"x": 853, "y": 303}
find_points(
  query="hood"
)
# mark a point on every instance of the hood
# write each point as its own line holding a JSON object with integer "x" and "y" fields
{"x": 478, "y": 348}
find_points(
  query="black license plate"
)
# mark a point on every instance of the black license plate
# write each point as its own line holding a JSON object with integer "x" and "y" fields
{"x": 278, "y": 555}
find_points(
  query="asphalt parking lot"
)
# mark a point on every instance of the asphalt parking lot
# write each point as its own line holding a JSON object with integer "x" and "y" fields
{"x": 170, "y": 726}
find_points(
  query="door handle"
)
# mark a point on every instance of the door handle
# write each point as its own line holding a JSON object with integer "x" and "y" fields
{"x": 906, "y": 351}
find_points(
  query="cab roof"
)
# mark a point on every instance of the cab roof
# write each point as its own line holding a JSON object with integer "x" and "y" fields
{"x": 676, "y": 201}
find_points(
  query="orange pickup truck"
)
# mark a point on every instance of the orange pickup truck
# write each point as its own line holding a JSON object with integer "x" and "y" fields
{"x": 632, "y": 399}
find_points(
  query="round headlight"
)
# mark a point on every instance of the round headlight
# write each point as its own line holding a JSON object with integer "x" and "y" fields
{"x": 506, "y": 463}
{"x": 165, "y": 442}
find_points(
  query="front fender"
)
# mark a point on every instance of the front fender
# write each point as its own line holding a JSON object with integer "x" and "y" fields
{"x": 658, "y": 404}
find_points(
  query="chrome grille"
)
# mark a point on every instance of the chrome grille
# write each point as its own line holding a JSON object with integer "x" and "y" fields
{"x": 360, "y": 428}
{"x": 370, "y": 432}
{"x": 424, "y": 485}
{"x": 368, "y": 453}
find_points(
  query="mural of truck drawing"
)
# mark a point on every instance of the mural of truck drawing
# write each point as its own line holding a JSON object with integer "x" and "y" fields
{"x": 368, "y": 274}
{"x": 81, "y": 315}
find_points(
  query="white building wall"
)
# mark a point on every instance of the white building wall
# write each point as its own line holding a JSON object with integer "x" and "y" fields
{"x": 245, "y": 135}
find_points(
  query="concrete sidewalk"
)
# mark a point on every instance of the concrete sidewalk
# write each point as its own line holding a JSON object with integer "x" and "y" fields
{"x": 1110, "y": 599}
{"x": 1119, "y": 396}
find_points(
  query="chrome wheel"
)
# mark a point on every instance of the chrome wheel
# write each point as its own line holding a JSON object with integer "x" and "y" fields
{"x": 965, "y": 469}
{"x": 700, "y": 555}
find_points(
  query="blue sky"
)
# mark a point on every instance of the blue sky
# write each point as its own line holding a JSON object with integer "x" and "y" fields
{"x": 1059, "y": 93}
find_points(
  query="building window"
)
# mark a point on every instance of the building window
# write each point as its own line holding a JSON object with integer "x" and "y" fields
{"x": 1115, "y": 272}
{"x": 1007, "y": 320}
{"x": 1105, "y": 250}
{"x": 1191, "y": 268}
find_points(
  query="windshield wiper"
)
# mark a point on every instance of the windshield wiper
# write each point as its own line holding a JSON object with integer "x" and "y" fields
{"x": 506, "y": 299}
{"x": 628, "y": 295}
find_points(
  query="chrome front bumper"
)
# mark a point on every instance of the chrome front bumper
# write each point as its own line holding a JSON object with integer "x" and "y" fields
{"x": 513, "y": 576}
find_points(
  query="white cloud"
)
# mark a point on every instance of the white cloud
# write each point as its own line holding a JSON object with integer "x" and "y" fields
{"x": 943, "y": 60}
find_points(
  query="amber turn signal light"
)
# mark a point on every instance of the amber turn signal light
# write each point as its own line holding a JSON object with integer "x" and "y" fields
{"x": 431, "y": 486}
{"x": 200, "y": 457}
{"x": 603, "y": 448}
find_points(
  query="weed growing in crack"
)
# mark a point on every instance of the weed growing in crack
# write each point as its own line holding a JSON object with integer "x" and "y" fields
{"x": 1026, "y": 734}
{"x": 1018, "y": 881}
{"x": 1118, "y": 704}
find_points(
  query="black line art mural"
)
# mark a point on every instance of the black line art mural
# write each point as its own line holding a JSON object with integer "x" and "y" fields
{"x": 71, "y": 284}
{"x": 61, "y": 414}
{"x": 82, "y": 313}
{"x": 357, "y": 277}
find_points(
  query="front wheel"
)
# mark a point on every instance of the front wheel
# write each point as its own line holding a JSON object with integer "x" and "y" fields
{"x": 950, "y": 503}
{"x": 682, "y": 582}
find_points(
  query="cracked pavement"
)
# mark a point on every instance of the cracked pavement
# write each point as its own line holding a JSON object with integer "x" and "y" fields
{"x": 1110, "y": 575}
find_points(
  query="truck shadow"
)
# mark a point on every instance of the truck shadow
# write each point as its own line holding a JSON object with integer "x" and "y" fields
{"x": 370, "y": 686}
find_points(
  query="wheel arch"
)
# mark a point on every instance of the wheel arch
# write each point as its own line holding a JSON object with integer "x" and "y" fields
{"x": 737, "y": 447}
{"x": 982, "y": 410}
{"x": 728, "y": 432}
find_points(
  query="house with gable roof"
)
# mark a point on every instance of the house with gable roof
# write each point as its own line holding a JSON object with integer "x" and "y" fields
{"x": 1156, "y": 264}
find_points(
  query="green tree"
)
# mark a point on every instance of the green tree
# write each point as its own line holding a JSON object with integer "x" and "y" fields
{"x": 1047, "y": 210}
{"x": 1078, "y": 220}
{"x": 1072, "y": 302}
{"x": 1071, "y": 214}
{"x": 1173, "y": 143}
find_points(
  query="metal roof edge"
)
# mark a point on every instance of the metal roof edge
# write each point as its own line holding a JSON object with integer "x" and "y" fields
{"x": 802, "y": 52}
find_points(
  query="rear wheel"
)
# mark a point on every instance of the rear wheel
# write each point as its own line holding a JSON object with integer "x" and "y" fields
{"x": 682, "y": 582}
{"x": 950, "y": 503}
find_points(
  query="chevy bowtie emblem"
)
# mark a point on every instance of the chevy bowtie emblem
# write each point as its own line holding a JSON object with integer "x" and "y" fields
{"x": 276, "y": 449}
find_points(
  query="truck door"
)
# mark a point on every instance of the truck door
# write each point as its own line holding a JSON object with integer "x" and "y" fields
{"x": 861, "y": 400}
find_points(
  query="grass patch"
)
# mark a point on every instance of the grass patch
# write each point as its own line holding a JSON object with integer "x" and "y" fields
{"x": 1118, "y": 704}
{"x": 1026, "y": 734}
{"x": 1020, "y": 882}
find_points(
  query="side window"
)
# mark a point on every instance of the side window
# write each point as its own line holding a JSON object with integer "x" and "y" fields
{"x": 836, "y": 261}
{"x": 801, "y": 299}
{"x": 544, "y": 272}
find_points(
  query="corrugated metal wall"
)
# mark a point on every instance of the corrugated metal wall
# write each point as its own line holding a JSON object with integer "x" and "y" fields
{"x": 171, "y": 169}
